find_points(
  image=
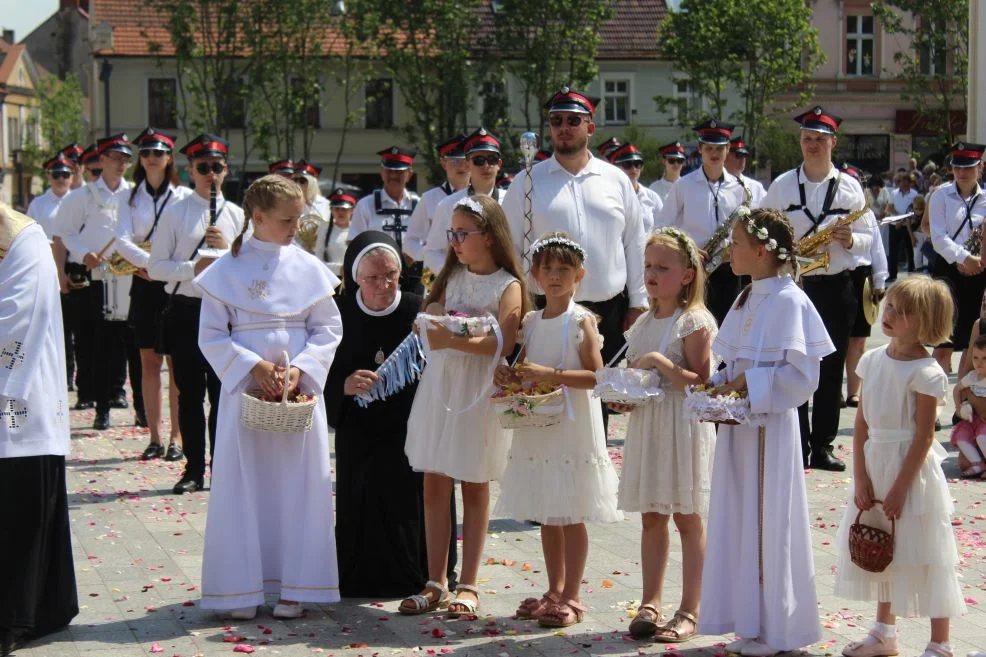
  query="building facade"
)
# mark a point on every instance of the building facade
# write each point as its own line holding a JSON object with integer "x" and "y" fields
{"x": 20, "y": 122}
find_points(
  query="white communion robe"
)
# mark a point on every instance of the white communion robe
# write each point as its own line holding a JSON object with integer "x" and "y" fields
{"x": 780, "y": 323}
{"x": 270, "y": 527}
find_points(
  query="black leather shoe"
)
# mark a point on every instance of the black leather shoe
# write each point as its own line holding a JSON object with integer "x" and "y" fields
{"x": 120, "y": 401}
{"x": 140, "y": 419}
{"x": 102, "y": 421}
{"x": 174, "y": 453}
{"x": 71, "y": 387}
{"x": 152, "y": 451}
{"x": 187, "y": 485}
{"x": 82, "y": 405}
{"x": 826, "y": 461}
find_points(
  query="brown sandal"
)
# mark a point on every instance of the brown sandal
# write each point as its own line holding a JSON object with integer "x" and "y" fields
{"x": 645, "y": 623}
{"x": 672, "y": 630}
{"x": 563, "y": 614}
{"x": 531, "y": 608}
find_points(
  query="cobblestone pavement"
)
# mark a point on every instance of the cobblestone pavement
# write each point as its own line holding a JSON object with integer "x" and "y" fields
{"x": 138, "y": 555}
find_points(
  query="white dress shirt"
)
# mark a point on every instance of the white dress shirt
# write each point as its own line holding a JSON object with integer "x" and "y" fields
{"x": 87, "y": 220}
{"x": 691, "y": 205}
{"x": 902, "y": 201}
{"x": 365, "y": 216}
{"x": 173, "y": 249}
{"x": 946, "y": 212}
{"x": 663, "y": 187}
{"x": 137, "y": 220}
{"x": 848, "y": 197}
{"x": 43, "y": 209}
{"x": 319, "y": 206}
{"x": 436, "y": 246}
{"x": 598, "y": 208}
{"x": 419, "y": 225}
{"x": 652, "y": 203}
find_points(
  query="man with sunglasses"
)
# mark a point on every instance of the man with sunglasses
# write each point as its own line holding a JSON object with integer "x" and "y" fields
{"x": 673, "y": 155}
{"x": 629, "y": 158}
{"x": 736, "y": 164}
{"x": 197, "y": 221}
{"x": 453, "y": 160}
{"x": 73, "y": 153}
{"x": 594, "y": 202}
{"x": 86, "y": 223}
{"x": 482, "y": 152}
{"x": 91, "y": 167}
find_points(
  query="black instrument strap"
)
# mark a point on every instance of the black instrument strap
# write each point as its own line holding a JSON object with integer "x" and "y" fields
{"x": 213, "y": 217}
{"x": 158, "y": 211}
{"x": 968, "y": 213}
{"x": 715, "y": 196}
{"x": 827, "y": 210}
{"x": 447, "y": 188}
{"x": 398, "y": 227}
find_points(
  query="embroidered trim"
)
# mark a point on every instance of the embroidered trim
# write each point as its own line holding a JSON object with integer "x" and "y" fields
{"x": 11, "y": 412}
{"x": 258, "y": 290}
{"x": 12, "y": 355}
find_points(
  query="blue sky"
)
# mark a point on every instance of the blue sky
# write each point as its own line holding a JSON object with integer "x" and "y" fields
{"x": 23, "y": 17}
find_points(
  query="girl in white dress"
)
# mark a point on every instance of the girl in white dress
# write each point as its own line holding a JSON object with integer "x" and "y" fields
{"x": 561, "y": 475}
{"x": 759, "y": 578}
{"x": 667, "y": 458}
{"x": 453, "y": 432}
{"x": 270, "y": 525}
{"x": 898, "y": 461}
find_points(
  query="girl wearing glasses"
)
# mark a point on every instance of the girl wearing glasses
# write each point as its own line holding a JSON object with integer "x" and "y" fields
{"x": 155, "y": 187}
{"x": 481, "y": 275}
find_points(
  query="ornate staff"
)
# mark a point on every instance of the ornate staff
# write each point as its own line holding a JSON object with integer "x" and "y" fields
{"x": 528, "y": 148}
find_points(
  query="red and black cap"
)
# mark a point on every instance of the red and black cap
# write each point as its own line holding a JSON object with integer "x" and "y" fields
{"x": 90, "y": 155}
{"x": 626, "y": 153}
{"x": 283, "y": 167}
{"x": 206, "y": 145}
{"x": 607, "y": 148}
{"x": 72, "y": 152}
{"x": 542, "y": 155}
{"x": 714, "y": 131}
{"x": 452, "y": 148}
{"x": 59, "y": 163}
{"x": 119, "y": 142}
{"x": 569, "y": 100}
{"x": 304, "y": 167}
{"x": 340, "y": 198}
{"x": 504, "y": 182}
{"x": 397, "y": 158}
{"x": 673, "y": 151}
{"x": 963, "y": 154}
{"x": 151, "y": 139}
{"x": 818, "y": 120}
{"x": 481, "y": 140}
{"x": 738, "y": 146}
{"x": 852, "y": 170}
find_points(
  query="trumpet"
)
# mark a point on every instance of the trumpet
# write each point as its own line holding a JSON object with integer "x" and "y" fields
{"x": 974, "y": 244}
{"x": 307, "y": 234}
{"x": 117, "y": 265}
{"x": 809, "y": 247}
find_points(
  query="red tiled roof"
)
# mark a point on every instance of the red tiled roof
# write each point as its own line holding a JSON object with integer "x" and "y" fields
{"x": 10, "y": 55}
{"x": 632, "y": 32}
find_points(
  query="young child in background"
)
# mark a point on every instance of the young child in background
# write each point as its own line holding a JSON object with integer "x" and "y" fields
{"x": 969, "y": 435}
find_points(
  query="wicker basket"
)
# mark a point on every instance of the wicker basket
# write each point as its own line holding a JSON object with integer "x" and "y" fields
{"x": 541, "y": 410}
{"x": 871, "y": 548}
{"x": 277, "y": 417}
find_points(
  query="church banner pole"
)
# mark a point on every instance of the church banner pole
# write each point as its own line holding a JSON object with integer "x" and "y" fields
{"x": 528, "y": 148}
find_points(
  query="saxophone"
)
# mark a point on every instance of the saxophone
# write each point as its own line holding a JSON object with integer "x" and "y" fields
{"x": 808, "y": 248}
{"x": 718, "y": 244}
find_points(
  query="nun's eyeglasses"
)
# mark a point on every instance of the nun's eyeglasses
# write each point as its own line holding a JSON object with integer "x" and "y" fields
{"x": 381, "y": 279}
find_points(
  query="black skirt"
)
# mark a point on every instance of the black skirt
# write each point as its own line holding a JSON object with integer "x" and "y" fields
{"x": 860, "y": 328}
{"x": 147, "y": 300}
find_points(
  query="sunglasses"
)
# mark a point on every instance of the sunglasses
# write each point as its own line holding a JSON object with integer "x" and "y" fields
{"x": 301, "y": 180}
{"x": 491, "y": 160}
{"x": 675, "y": 162}
{"x": 153, "y": 152}
{"x": 573, "y": 121}
{"x": 460, "y": 236}
{"x": 636, "y": 164}
{"x": 95, "y": 172}
{"x": 216, "y": 167}
{"x": 60, "y": 175}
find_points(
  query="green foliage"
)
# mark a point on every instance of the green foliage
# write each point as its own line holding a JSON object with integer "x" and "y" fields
{"x": 779, "y": 147}
{"x": 939, "y": 40}
{"x": 61, "y": 109}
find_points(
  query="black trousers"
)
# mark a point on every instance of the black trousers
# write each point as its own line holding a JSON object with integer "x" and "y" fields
{"x": 194, "y": 378}
{"x": 109, "y": 350}
{"x": 69, "y": 342}
{"x": 835, "y": 300}
{"x": 721, "y": 290}
{"x": 79, "y": 321}
{"x": 899, "y": 239}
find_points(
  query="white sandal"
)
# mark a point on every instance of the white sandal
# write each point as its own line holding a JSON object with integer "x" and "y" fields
{"x": 423, "y": 604}
{"x": 471, "y": 607}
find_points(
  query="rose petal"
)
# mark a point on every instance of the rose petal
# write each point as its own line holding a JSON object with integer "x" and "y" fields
{"x": 244, "y": 647}
{"x": 156, "y": 647}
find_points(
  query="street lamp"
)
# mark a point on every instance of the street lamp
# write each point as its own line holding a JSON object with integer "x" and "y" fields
{"x": 19, "y": 181}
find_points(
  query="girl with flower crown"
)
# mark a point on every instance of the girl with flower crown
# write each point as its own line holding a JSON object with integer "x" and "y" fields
{"x": 758, "y": 580}
{"x": 560, "y": 476}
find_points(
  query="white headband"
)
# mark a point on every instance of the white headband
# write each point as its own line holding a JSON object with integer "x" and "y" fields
{"x": 471, "y": 205}
{"x": 370, "y": 247}
{"x": 558, "y": 241}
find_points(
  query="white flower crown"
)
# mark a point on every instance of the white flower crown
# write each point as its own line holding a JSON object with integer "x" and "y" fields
{"x": 471, "y": 205}
{"x": 686, "y": 244}
{"x": 760, "y": 232}
{"x": 558, "y": 241}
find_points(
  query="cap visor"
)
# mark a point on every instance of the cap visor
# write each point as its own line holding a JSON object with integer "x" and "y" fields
{"x": 822, "y": 129}
{"x": 715, "y": 141}
{"x": 630, "y": 158}
{"x": 396, "y": 166}
{"x": 154, "y": 145}
{"x": 208, "y": 153}
{"x": 483, "y": 149}
{"x": 569, "y": 107}
{"x": 964, "y": 162}
{"x": 126, "y": 150}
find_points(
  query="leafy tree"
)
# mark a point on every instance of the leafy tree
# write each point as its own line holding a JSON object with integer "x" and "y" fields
{"x": 934, "y": 68}
{"x": 61, "y": 108}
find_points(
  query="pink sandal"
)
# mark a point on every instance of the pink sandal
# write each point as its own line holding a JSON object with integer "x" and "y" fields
{"x": 532, "y": 608}
{"x": 563, "y": 614}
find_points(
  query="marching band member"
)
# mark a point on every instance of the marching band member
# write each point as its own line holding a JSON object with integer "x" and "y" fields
{"x": 701, "y": 202}
{"x": 504, "y": 182}
{"x": 736, "y": 164}
{"x": 155, "y": 187}
{"x": 606, "y": 149}
{"x": 482, "y": 152}
{"x": 674, "y": 161}
{"x": 86, "y": 223}
{"x": 629, "y": 158}
{"x": 90, "y": 163}
{"x": 286, "y": 168}
{"x": 73, "y": 153}
{"x": 333, "y": 235}
{"x": 201, "y": 219}
{"x": 306, "y": 175}
{"x": 453, "y": 161}
{"x": 812, "y": 197}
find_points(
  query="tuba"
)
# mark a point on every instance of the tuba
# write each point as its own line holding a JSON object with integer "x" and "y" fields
{"x": 808, "y": 248}
{"x": 117, "y": 265}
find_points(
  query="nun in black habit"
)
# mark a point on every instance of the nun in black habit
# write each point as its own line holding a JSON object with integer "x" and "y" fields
{"x": 380, "y": 535}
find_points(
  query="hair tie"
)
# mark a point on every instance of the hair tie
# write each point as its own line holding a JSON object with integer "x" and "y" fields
{"x": 563, "y": 242}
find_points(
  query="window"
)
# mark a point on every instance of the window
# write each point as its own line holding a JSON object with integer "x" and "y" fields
{"x": 308, "y": 114}
{"x": 379, "y": 104}
{"x": 859, "y": 45}
{"x": 32, "y": 130}
{"x": 616, "y": 101}
{"x": 932, "y": 61}
{"x": 162, "y": 106}
{"x": 13, "y": 133}
{"x": 494, "y": 98}
{"x": 688, "y": 100}
{"x": 233, "y": 105}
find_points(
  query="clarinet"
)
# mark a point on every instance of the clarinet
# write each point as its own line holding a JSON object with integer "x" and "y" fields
{"x": 213, "y": 193}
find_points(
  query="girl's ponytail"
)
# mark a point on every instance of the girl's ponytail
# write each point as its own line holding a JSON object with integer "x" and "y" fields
{"x": 238, "y": 242}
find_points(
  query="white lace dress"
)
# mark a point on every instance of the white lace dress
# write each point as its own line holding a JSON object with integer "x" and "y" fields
{"x": 447, "y": 433}
{"x": 562, "y": 474}
{"x": 667, "y": 458}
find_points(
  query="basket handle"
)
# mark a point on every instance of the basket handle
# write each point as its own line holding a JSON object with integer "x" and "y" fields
{"x": 287, "y": 375}
{"x": 893, "y": 523}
